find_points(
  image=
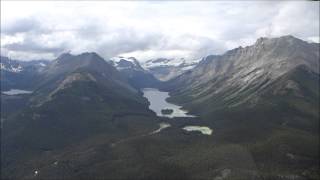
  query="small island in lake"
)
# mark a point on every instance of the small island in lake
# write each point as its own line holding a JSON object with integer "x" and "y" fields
{"x": 166, "y": 111}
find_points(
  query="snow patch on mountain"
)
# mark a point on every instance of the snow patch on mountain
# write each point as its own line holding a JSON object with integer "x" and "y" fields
{"x": 42, "y": 64}
{"x": 122, "y": 63}
{"x": 167, "y": 68}
{"x": 17, "y": 66}
{"x": 176, "y": 62}
{"x": 11, "y": 68}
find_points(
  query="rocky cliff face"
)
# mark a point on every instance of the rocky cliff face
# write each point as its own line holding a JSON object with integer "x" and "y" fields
{"x": 244, "y": 68}
{"x": 266, "y": 94}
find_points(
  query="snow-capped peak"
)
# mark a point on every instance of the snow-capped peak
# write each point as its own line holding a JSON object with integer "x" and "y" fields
{"x": 11, "y": 68}
{"x": 17, "y": 66}
{"x": 42, "y": 64}
{"x": 122, "y": 63}
{"x": 174, "y": 62}
{"x": 168, "y": 68}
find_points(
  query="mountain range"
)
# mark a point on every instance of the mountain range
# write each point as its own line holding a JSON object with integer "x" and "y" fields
{"x": 18, "y": 74}
{"x": 87, "y": 117}
{"x": 265, "y": 95}
{"x": 244, "y": 76}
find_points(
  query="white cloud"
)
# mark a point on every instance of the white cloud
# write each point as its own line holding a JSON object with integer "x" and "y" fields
{"x": 34, "y": 29}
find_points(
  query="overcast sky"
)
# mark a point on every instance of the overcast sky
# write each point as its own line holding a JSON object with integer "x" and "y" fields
{"x": 43, "y": 30}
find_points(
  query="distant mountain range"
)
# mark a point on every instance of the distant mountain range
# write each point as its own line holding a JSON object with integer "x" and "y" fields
{"x": 138, "y": 77}
{"x": 162, "y": 69}
{"x": 165, "y": 69}
{"x": 145, "y": 74}
{"x": 20, "y": 74}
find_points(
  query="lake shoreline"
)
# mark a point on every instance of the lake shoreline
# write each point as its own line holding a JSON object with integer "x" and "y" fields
{"x": 13, "y": 92}
{"x": 158, "y": 101}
